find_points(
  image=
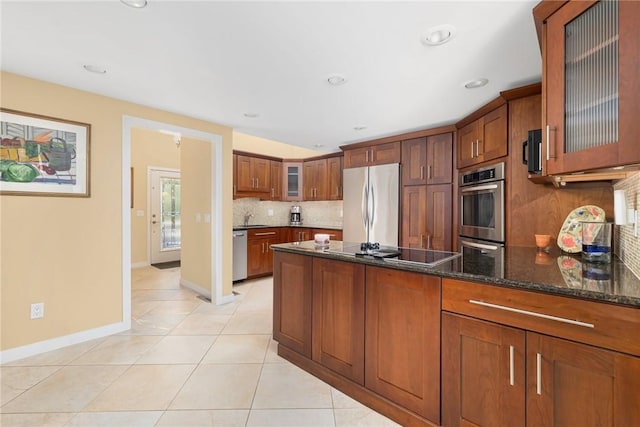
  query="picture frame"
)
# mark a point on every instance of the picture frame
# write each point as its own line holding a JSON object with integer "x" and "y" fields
{"x": 43, "y": 156}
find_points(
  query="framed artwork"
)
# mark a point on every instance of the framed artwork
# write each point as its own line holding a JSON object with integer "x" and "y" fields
{"x": 43, "y": 156}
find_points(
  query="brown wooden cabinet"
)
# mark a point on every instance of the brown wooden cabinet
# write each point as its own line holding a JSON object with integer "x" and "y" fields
{"x": 338, "y": 317}
{"x": 292, "y": 301}
{"x": 253, "y": 176}
{"x": 483, "y": 373}
{"x": 315, "y": 180}
{"x": 299, "y": 234}
{"x": 259, "y": 252}
{"x": 483, "y": 139}
{"x": 334, "y": 178}
{"x": 372, "y": 155}
{"x": 571, "y": 384}
{"x": 439, "y": 217}
{"x": 427, "y": 160}
{"x": 235, "y": 175}
{"x": 402, "y": 339}
{"x": 276, "y": 180}
{"x": 414, "y": 216}
{"x": 591, "y": 56}
{"x": 547, "y": 368}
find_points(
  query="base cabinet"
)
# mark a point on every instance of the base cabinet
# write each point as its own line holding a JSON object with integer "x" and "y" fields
{"x": 259, "y": 252}
{"x": 338, "y": 317}
{"x": 402, "y": 339}
{"x": 292, "y": 297}
{"x": 483, "y": 373}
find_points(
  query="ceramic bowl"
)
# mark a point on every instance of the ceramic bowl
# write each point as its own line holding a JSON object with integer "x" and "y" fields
{"x": 542, "y": 240}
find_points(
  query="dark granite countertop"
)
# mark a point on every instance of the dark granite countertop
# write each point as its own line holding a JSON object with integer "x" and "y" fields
{"x": 247, "y": 227}
{"x": 523, "y": 268}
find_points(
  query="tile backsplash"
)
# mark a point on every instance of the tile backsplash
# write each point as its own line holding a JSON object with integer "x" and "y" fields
{"x": 626, "y": 245}
{"x": 316, "y": 214}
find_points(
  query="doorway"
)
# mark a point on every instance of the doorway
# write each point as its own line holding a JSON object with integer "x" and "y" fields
{"x": 165, "y": 215}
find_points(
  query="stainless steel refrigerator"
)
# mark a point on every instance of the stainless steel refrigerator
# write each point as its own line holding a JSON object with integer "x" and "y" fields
{"x": 370, "y": 204}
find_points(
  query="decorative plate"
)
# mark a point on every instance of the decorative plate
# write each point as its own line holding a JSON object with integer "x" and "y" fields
{"x": 571, "y": 270}
{"x": 570, "y": 235}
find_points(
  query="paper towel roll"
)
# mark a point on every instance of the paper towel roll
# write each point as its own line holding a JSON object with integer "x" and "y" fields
{"x": 620, "y": 207}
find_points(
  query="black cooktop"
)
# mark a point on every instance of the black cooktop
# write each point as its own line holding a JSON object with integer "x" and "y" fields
{"x": 427, "y": 257}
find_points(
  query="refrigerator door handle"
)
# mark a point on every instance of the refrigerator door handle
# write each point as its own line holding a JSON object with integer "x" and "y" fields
{"x": 372, "y": 214}
{"x": 364, "y": 208}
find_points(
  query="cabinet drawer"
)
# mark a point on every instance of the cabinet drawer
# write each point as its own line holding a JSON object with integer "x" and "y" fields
{"x": 600, "y": 324}
{"x": 263, "y": 233}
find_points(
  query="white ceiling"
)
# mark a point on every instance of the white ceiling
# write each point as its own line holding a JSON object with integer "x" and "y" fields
{"x": 219, "y": 60}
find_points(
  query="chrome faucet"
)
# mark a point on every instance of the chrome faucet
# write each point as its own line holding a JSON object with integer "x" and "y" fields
{"x": 247, "y": 217}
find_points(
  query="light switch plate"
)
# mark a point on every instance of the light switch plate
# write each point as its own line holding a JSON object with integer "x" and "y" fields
{"x": 269, "y": 212}
{"x": 207, "y": 218}
{"x": 139, "y": 213}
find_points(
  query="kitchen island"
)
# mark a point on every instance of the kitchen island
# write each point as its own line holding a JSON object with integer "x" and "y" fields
{"x": 541, "y": 340}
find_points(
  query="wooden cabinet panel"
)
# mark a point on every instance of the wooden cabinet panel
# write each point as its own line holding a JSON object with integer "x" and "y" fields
{"x": 259, "y": 252}
{"x": 484, "y": 139}
{"x": 372, "y": 155}
{"x": 334, "y": 178}
{"x": 414, "y": 216}
{"x": 603, "y": 119}
{"x": 604, "y": 325}
{"x": 235, "y": 175}
{"x": 315, "y": 180}
{"x": 483, "y": 381}
{"x": 244, "y": 174}
{"x": 414, "y": 161}
{"x": 299, "y": 234}
{"x": 276, "y": 180}
{"x": 402, "y": 339}
{"x": 570, "y": 384}
{"x": 493, "y": 142}
{"x": 439, "y": 217}
{"x": 338, "y": 317}
{"x": 253, "y": 175}
{"x": 440, "y": 159}
{"x": 292, "y": 301}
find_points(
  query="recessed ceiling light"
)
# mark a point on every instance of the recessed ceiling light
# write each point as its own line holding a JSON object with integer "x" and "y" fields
{"x": 474, "y": 84}
{"x": 318, "y": 145}
{"x": 251, "y": 115}
{"x": 359, "y": 127}
{"x": 337, "y": 80}
{"x": 138, "y": 4}
{"x": 95, "y": 69}
{"x": 439, "y": 35}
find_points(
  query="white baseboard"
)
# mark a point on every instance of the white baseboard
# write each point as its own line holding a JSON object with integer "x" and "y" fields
{"x": 196, "y": 288}
{"x": 140, "y": 264}
{"x": 18, "y": 353}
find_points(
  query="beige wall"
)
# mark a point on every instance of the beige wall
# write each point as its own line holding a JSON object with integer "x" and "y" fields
{"x": 267, "y": 147}
{"x": 148, "y": 148}
{"x": 67, "y": 252}
{"x": 196, "y": 200}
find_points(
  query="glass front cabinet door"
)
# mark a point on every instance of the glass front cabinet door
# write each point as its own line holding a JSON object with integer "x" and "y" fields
{"x": 292, "y": 177}
{"x": 591, "y": 61}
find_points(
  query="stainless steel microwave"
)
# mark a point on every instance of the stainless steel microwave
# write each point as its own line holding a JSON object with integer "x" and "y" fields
{"x": 482, "y": 203}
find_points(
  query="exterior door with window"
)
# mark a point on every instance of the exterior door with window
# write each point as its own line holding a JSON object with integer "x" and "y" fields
{"x": 164, "y": 191}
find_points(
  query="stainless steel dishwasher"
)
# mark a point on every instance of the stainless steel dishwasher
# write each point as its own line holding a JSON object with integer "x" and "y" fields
{"x": 239, "y": 255}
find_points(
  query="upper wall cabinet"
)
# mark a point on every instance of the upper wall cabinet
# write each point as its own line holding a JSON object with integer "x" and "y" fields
{"x": 372, "y": 155}
{"x": 591, "y": 58}
{"x": 334, "y": 176}
{"x": 253, "y": 174}
{"x": 484, "y": 138}
{"x": 292, "y": 181}
{"x": 276, "y": 180}
{"x": 315, "y": 180}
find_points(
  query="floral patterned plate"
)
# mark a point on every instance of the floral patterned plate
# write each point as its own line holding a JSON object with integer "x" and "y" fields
{"x": 570, "y": 235}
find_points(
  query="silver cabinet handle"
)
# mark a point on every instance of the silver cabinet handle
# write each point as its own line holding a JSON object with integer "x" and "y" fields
{"x": 366, "y": 158}
{"x": 538, "y": 373}
{"x": 272, "y": 192}
{"x": 478, "y": 148}
{"x": 532, "y": 313}
{"x": 372, "y": 158}
{"x": 421, "y": 172}
{"x": 428, "y": 241}
{"x": 257, "y": 182}
{"x": 511, "y": 367}
{"x": 429, "y": 174}
{"x": 479, "y": 187}
{"x": 266, "y": 233}
{"x": 472, "y": 142}
{"x": 422, "y": 240}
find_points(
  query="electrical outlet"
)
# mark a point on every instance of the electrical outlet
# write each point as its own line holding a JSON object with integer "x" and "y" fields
{"x": 37, "y": 310}
{"x": 269, "y": 212}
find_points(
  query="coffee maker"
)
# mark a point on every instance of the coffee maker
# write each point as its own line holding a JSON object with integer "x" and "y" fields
{"x": 295, "y": 218}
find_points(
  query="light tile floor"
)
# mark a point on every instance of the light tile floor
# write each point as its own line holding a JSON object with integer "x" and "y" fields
{"x": 184, "y": 363}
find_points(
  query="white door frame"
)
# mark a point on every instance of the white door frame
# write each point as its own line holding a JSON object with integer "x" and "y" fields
{"x": 130, "y": 122}
{"x": 149, "y": 207}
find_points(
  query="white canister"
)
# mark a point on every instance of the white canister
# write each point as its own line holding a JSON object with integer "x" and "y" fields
{"x": 321, "y": 240}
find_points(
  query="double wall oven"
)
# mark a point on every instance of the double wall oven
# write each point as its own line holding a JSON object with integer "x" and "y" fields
{"x": 482, "y": 219}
